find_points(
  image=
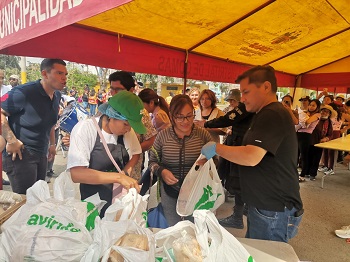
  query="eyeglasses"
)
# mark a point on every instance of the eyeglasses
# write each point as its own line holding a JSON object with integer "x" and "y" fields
{"x": 180, "y": 119}
{"x": 13, "y": 79}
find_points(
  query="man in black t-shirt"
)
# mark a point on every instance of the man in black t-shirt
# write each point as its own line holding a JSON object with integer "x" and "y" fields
{"x": 266, "y": 159}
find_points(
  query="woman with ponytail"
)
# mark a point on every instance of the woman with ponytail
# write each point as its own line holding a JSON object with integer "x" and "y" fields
{"x": 158, "y": 107}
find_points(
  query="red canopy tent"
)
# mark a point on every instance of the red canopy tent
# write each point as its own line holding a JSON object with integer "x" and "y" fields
{"x": 197, "y": 39}
{"x": 206, "y": 40}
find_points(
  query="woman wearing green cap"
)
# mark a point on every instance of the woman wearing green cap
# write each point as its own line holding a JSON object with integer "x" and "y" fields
{"x": 88, "y": 161}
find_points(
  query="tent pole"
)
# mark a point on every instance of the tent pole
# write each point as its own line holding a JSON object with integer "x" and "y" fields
{"x": 185, "y": 73}
{"x": 185, "y": 78}
{"x": 295, "y": 85}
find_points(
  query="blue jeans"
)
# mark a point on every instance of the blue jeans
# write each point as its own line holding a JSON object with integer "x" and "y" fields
{"x": 85, "y": 105}
{"x": 271, "y": 225}
{"x": 92, "y": 109}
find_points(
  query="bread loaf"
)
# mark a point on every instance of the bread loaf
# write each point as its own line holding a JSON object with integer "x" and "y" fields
{"x": 129, "y": 240}
{"x": 120, "y": 212}
{"x": 187, "y": 249}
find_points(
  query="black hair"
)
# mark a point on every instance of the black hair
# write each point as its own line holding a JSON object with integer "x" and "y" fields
{"x": 147, "y": 95}
{"x": 291, "y": 98}
{"x": 331, "y": 97}
{"x": 211, "y": 96}
{"x": 318, "y": 104}
{"x": 337, "y": 109}
{"x": 47, "y": 63}
{"x": 258, "y": 75}
{"x": 177, "y": 103}
{"x": 124, "y": 77}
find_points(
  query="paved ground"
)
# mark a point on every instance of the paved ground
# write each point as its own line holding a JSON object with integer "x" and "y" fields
{"x": 325, "y": 210}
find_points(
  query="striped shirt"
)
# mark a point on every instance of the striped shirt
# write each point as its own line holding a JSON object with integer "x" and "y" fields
{"x": 175, "y": 154}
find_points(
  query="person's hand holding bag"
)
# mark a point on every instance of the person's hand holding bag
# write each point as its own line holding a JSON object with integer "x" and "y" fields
{"x": 128, "y": 182}
{"x": 209, "y": 150}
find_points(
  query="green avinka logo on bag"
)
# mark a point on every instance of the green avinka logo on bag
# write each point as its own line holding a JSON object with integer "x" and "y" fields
{"x": 207, "y": 200}
{"x": 50, "y": 223}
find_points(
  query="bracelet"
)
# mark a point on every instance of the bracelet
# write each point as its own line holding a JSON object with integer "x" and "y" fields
{"x": 52, "y": 145}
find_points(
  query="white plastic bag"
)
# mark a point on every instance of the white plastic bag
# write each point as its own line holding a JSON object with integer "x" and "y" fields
{"x": 165, "y": 239}
{"x": 10, "y": 198}
{"x": 186, "y": 248}
{"x": 201, "y": 189}
{"x": 45, "y": 228}
{"x": 108, "y": 233}
{"x": 131, "y": 206}
{"x": 64, "y": 187}
{"x": 216, "y": 243}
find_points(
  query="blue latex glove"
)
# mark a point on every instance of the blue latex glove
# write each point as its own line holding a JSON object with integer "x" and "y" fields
{"x": 209, "y": 150}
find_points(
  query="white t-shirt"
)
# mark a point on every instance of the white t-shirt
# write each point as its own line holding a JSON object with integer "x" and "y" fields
{"x": 83, "y": 138}
{"x": 68, "y": 99}
{"x": 5, "y": 89}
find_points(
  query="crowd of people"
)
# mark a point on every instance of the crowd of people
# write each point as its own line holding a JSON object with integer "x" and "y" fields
{"x": 257, "y": 142}
{"x": 320, "y": 120}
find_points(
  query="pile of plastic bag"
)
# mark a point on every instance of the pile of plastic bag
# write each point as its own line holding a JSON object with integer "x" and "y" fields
{"x": 205, "y": 240}
{"x": 63, "y": 228}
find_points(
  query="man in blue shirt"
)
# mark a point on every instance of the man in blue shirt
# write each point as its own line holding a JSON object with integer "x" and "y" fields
{"x": 28, "y": 115}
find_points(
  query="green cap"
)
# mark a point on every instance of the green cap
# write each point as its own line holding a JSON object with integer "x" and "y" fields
{"x": 128, "y": 106}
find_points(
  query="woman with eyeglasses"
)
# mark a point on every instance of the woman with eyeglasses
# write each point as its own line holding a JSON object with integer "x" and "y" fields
{"x": 176, "y": 149}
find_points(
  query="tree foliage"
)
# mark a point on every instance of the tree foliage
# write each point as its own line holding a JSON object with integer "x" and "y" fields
{"x": 33, "y": 72}
{"x": 102, "y": 74}
{"x": 153, "y": 80}
{"x": 10, "y": 63}
{"x": 77, "y": 77}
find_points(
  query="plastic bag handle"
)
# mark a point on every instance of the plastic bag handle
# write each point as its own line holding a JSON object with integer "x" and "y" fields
{"x": 207, "y": 227}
